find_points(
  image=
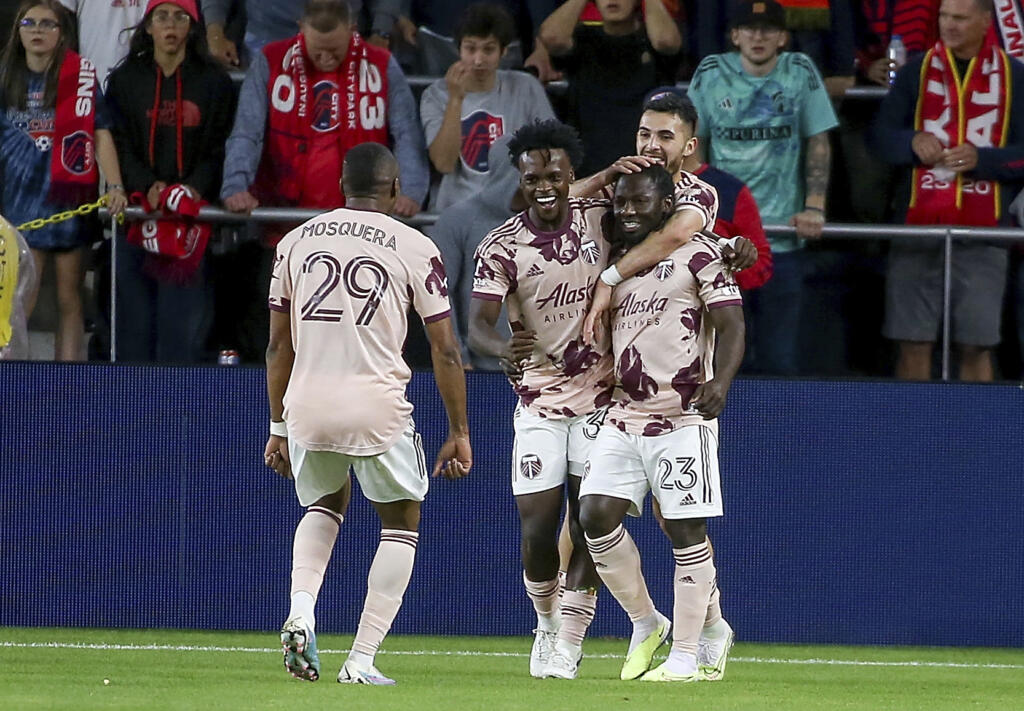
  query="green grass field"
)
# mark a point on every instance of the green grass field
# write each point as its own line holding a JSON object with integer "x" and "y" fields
{"x": 164, "y": 669}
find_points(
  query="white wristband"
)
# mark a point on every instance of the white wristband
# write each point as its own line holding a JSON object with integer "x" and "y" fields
{"x": 279, "y": 429}
{"x": 611, "y": 276}
{"x": 730, "y": 242}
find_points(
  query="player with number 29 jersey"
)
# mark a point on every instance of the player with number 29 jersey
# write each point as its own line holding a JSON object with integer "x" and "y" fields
{"x": 347, "y": 278}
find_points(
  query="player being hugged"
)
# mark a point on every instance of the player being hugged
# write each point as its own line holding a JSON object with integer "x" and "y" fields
{"x": 543, "y": 264}
{"x": 342, "y": 285}
{"x": 677, "y": 339}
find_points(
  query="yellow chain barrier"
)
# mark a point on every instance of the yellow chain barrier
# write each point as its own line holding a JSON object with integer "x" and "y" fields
{"x": 67, "y": 215}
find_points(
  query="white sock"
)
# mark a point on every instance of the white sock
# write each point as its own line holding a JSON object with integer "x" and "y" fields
{"x": 642, "y": 629}
{"x": 681, "y": 663}
{"x": 303, "y": 604}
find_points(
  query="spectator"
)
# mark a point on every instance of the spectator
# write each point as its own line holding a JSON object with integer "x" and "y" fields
{"x": 271, "y": 20}
{"x": 172, "y": 108}
{"x": 915, "y": 22}
{"x": 458, "y": 231}
{"x": 54, "y": 129}
{"x": 763, "y": 112}
{"x": 610, "y": 68}
{"x": 285, "y": 159}
{"x": 477, "y": 103}
{"x": 428, "y": 27}
{"x": 104, "y": 31}
{"x": 961, "y": 144}
{"x": 824, "y": 31}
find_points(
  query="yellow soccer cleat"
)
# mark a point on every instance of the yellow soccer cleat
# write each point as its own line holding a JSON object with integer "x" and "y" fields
{"x": 639, "y": 660}
{"x": 660, "y": 673}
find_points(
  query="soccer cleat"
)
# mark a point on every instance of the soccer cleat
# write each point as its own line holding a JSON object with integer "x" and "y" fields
{"x": 661, "y": 673}
{"x": 639, "y": 660}
{"x": 564, "y": 662}
{"x": 712, "y": 654}
{"x": 300, "y": 656}
{"x": 543, "y": 646}
{"x": 351, "y": 673}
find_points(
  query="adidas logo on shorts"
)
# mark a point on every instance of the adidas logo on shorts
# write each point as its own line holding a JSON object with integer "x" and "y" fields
{"x": 687, "y": 500}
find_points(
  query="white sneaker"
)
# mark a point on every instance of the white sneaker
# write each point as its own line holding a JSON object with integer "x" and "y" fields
{"x": 540, "y": 655}
{"x": 564, "y": 662}
{"x": 712, "y": 654}
{"x": 351, "y": 673}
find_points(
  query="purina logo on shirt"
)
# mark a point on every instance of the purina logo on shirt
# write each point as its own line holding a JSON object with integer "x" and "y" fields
{"x": 590, "y": 252}
{"x": 530, "y": 466}
{"x": 326, "y": 106}
{"x": 664, "y": 269}
{"x": 479, "y": 130}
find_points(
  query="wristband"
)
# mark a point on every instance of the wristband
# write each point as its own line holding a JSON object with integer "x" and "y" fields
{"x": 611, "y": 276}
{"x": 279, "y": 429}
{"x": 114, "y": 186}
{"x": 816, "y": 209}
{"x": 730, "y": 242}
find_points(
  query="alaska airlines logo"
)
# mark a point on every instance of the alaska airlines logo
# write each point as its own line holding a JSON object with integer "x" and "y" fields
{"x": 632, "y": 305}
{"x": 562, "y": 295}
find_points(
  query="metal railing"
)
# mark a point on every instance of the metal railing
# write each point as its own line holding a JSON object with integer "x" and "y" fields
{"x": 947, "y": 234}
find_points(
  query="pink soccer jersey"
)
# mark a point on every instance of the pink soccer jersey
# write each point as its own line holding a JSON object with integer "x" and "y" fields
{"x": 347, "y": 279}
{"x": 546, "y": 280}
{"x": 663, "y": 349}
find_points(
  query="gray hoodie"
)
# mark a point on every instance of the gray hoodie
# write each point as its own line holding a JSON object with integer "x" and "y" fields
{"x": 458, "y": 231}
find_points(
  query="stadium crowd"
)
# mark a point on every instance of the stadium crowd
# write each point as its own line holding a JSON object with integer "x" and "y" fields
{"x": 778, "y": 136}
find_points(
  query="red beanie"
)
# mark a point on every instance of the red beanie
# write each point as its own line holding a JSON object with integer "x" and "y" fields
{"x": 188, "y": 6}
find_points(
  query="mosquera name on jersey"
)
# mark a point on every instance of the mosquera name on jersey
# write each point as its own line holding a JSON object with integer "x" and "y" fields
{"x": 347, "y": 279}
{"x": 546, "y": 280}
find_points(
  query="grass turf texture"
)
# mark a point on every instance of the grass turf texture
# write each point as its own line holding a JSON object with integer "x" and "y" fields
{"x": 65, "y": 669}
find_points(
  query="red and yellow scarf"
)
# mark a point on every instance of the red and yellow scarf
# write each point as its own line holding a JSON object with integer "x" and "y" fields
{"x": 975, "y": 110}
{"x": 807, "y": 14}
{"x": 73, "y": 173}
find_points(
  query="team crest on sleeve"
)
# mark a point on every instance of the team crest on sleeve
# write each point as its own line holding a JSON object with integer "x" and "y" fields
{"x": 664, "y": 269}
{"x": 479, "y": 130}
{"x": 77, "y": 153}
{"x": 530, "y": 466}
{"x": 590, "y": 251}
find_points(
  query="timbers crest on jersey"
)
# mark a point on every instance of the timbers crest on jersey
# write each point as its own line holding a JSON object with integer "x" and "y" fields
{"x": 590, "y": 252}
{"x": 664, "y": 269}
{"x": 530, "y": 466}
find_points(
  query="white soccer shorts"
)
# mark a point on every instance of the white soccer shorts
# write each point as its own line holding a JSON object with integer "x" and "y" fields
{"x": 679, "y": 467}
{"x": 545, "y": 451}
{"x": 399, "y": 474}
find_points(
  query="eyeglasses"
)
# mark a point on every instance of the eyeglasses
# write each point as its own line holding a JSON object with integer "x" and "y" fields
{"x": 763, "y": 30}
{"x": 27, "y": 23}
{"x": 166, "y": 17}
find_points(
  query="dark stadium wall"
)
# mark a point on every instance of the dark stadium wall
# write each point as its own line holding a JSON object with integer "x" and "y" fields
{"x": 856, "y": 512}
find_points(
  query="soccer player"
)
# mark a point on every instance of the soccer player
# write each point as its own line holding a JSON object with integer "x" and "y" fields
{"x": 666, "y": 137}
{"x": 542, "y": 263}
{"x": 341, "y": 287}
{"x": 677, "y": 340}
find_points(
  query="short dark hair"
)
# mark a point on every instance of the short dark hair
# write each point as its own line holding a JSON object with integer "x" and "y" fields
{"x": 988, "y": 6}
{"x": 326, "y": 15}
{"x": 483, "y": 19}
{"x": 367, "y": 169}
{"x": 546, "y": 135}
{"x": 661, "y": 181}
{"x": 671, "y": 103}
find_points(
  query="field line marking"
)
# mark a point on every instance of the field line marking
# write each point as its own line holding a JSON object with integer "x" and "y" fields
{"x": 470, "y": 653}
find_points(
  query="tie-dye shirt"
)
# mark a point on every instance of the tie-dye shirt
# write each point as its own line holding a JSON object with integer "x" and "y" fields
{"x": 663, "y": 348}
{"x": 347, "y": 279}
{"x": 546, "y": 280}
